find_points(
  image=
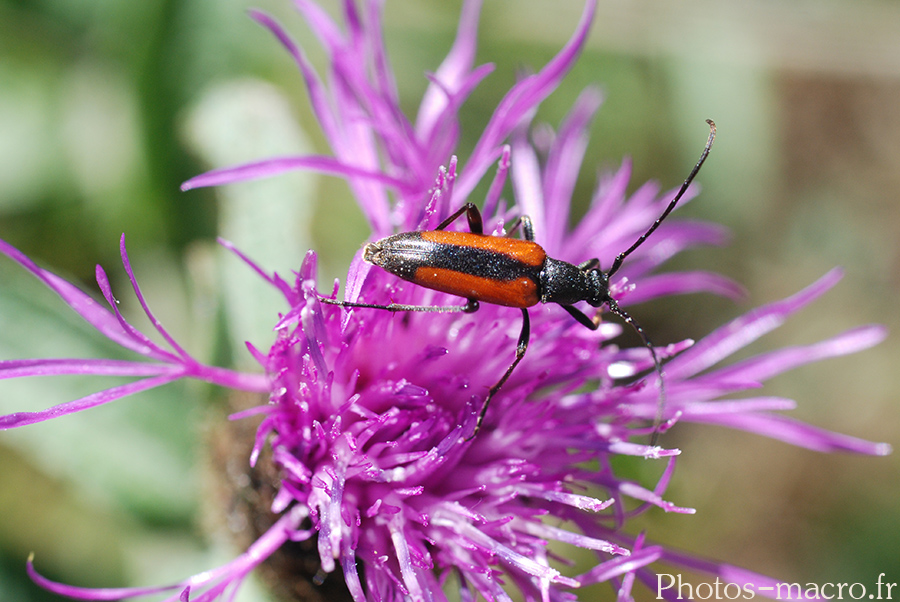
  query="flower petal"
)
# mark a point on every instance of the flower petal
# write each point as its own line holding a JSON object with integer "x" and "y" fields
{"x": 744, "y": 330}
{"x": 89, "y": 401}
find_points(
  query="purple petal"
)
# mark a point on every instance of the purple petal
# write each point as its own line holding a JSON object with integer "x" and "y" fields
{"x": 575, "y": 539}
{"x": 493, "y": 196}
{"x": 738, "y": 406}
{"x": 523, "y": 98}
{"x": 82, "y": 593}
{"x": 274, "y": 279}
{"x": 322, "y": 26}
{"x": 793, "y": 432}
{"x": 152, "y": 349}
{"x": 683, "y": 283}
{"x": 605, "y": 204}
{"x": 95, "y": 399}
{"x": 453, "y": 71}
{"x": 278, "y": 165}
{"x": 230, "y": 379}
{"x": 739, "y": 333}
{"x": 620, "y": 566}
{"x": 85, "y": 305}
{"x": 563, "y": 166}
{"x": 505, "y": 553}
{"x": 526, "y": 181}
{"x": 441, "y": 138}
{"x": 234, "y": 571}
{"x": 321, "y": 107}
{"x": 767, "y": 365}
{"x": 140, "y": 297}
{"x": 102, "y": 367}
{"x": 376, "y": 49}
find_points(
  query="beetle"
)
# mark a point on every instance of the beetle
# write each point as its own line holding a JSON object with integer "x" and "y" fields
{"x": 510, "y": 272}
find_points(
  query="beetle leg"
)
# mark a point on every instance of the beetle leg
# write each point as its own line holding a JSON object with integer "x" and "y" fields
{"x": 473, "y": 215}
{"x": 470, "y": 307}
{"x": 590, "y": 264}
{"x": 527, "y": 228}
{"x": 521, "y": 347}
{"x": 582, "y": 318}
{"x": 594, "y": 324}
{"x": 524, "y": 222}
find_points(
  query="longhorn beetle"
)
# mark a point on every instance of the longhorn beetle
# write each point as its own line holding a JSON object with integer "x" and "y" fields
{"x": 510, "y": 272}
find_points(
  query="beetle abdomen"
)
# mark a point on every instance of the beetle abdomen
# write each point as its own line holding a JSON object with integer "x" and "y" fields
{"x": 493, "y": 269}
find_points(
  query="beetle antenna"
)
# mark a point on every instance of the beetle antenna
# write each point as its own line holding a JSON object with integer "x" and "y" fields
{"x": 617, "y": 263}
{"x": 657, "y": 364}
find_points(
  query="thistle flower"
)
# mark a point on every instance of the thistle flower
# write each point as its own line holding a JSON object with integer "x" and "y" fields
{"x": 366, "y": 410}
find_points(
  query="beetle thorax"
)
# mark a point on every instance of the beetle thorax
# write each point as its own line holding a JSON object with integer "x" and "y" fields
{"x": 566, "y": 284}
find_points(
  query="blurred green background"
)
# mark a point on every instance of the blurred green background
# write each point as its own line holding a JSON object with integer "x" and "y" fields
{"x": 107, "y": 106}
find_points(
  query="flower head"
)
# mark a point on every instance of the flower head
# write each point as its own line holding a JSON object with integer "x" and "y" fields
{"x": 367, "y": 411}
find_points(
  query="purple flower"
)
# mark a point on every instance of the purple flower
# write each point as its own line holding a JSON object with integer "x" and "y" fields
{"x": 367, "y": 410}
